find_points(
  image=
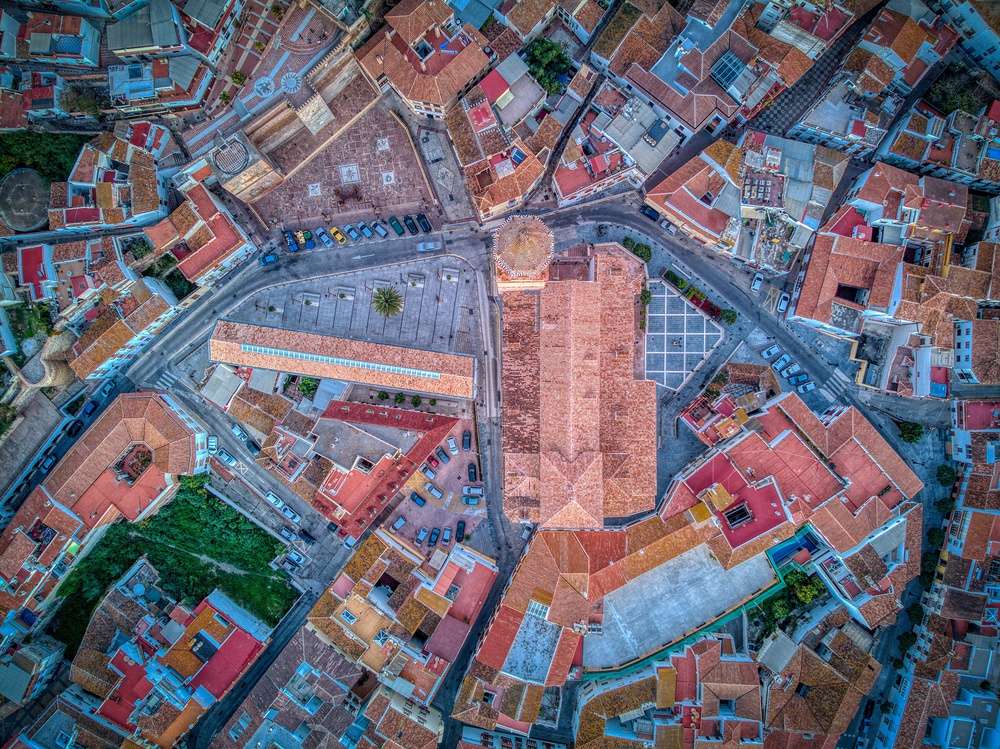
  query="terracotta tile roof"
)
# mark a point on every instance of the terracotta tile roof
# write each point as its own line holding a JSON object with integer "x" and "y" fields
{"x": 527, "y": 14}
{"x": 898, "y": 32}
{"x": 620, "y": 24}
{"x": 589, "y": 15}
{"x": 490, "y": 190}
{"x": 447, "y": 374}
{"x": 824, "y": 703}
{"x": 412, "y": 18}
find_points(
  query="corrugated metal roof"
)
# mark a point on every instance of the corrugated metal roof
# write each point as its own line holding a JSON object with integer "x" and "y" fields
{"x": 206, "y": 12}
{"x": 183, "y": 69}
{"x": 150, "y": 26}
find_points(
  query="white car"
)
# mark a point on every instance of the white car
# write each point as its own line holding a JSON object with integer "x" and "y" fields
{"x": 452, "y": 446}
{"x": 783, "y": 302}
{"x": 781, "y": 363}
{"x": 291, "y": 514}
{"x": 324, "y": 237}
{"x": 758, "y": 281}
{"x": 791, "y": 370}
{"x": 428, "y": 246}
{"x": 228, "y": 459}
{"x": 296, "y": 557}
{"x": 274, "y": 499}
{"x": 213, "y": 445}
{"x": 769, "y": 352}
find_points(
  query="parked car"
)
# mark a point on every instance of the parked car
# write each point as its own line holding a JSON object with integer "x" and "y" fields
{"x": 670, "y": 228}
{"x": 788, "y": 371}
{"x": 396, "y": 226}
{"x": 75, "y": 427}
{"x": 446, "y": 537}
{"x": 253, "y": 447}
{"x": 324, "y": 237}
{"x": 338, "y": 235}
{"x": 796, "y": 379}
{"x": 352, "y": 233}
{"x": 410, "y": 225}
{"x": 428, "y": 246}
{"x": 228, "y": 459}
{"x": 296, "y": 557}
{"x": 771, "y": 351}
{"x": 466, "y": 440}
{"x": 472, "y": 472}
{"x": 47, "y": 464}
{"x": 350, "y": 542}
{"x": 649, "y": 213}
{"x": 332, "y": 527}
{"x": 781, "y": 362}
{"x": 274, "y": 499}
{"x": 460, "y": 531}
{"x": 287, "y": 533}
{"x": 240, "y": 434}
{"x": 452, "y": 446}
{"x": 427, "y": 471}
{"x": 293, "y": 246}
{"x": 758, "y": 281}
{"x": 106, "y": 388}
{"x": 442, "y": 455}
{"x": 417, "y": 499}
{"x": 470, "y": 500}
{"x": 291, "y": 514}
{"x": 424, "y": 223}
{"x": 363, "y": 228}
{"x": 435, "y": 535}
{"x": 379, "y": 229}
{"x": 89, "y": 408}
{"x": 783, "y": 302}
{"x": 808, "y": 387}
{"x": 307, "y": 537}
{"x": 268, "y": 259}
{"x": 289, "y": 566}
{"x": 400, "y": 522}
{"x": 473, "y": 491}
{"x": 433, "y": 461}
{"x": 432, "y": 490}
{"x": 421, "y": 536}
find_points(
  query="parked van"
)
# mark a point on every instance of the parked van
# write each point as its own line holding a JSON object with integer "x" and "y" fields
{"x": 400, "y": 522}
{"x": 432, "y": 490}
{"x": 472, "y": 491}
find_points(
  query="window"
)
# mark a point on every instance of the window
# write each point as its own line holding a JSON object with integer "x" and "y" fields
{"x": 538, "y": 609}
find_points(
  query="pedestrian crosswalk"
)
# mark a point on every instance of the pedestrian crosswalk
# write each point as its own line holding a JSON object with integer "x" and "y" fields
{"x": 166, "y": 381}
{"x": 836, "y": 386}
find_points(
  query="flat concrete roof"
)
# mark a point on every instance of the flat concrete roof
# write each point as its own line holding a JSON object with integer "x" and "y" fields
{"x": 688, "y": 591}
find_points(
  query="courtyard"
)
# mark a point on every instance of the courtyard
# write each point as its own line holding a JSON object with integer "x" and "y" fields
{"x": 678, "y": 337}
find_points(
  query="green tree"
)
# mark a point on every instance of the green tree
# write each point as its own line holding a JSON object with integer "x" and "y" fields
{"x": 53, "y": 155}
{"x": 224, "y": 97}
{"x": 238, "y": 77}
{"x": 729, "y": 316}
{"x": 946, "y": 475}
{"x": 387, "y": 301}
{"x": 308, "y": 386}
{"x": 935, "y": 537}
{"x": 645, "y": 297}
{"x": 915, "y": 612}
{"x": 400, "y": 398}
{"x": 644, "y": 252}
{"x": 7, "y": 415}
{"x": 278, "y": 11}
{"x": 906, "y": 641}
{"x": 547, "y": 62}
{"x": 416, "y": 400}
{"x": 382, "y": 395}
{"x": 910, "y": 432}
{"x": 628, "y": 243}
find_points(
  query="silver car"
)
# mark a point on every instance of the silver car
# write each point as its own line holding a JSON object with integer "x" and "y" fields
{"x": 781, "y": 363}
{"x": 226, "y": 458}
{"x": 291, "y": 514}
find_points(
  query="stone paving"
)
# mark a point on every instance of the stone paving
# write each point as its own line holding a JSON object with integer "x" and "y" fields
{"x": 439, "y": 313}
{"x": 678, "y": 337}
{"x": 370, "y": 170}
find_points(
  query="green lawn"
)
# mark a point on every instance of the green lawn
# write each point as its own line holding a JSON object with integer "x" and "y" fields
{"x": 53, "y": 155}
{"x": 193, "y": 525}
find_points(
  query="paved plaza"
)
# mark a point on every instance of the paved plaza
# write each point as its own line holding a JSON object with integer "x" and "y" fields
{"x": 678, "y": 337}
{"x": 370, "y": 171}
{"x": 440, "y": 310}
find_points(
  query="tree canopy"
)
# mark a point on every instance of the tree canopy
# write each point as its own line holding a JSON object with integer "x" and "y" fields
{"x": 548, "y": 62}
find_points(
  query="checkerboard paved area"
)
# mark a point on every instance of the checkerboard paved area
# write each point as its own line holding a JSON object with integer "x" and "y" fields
{"x": 370, "y": 170}
{"x": 678, "y": 337}
{"x": 440, "y": 311}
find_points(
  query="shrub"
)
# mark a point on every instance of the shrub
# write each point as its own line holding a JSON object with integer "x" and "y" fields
{"x": 238, "y": 77}
{"x": 628, "y": 243}
{"x": 308, "y": 386}
{"x": 416, "y": 400}
{"x": 676, "y": 281}
{"x": 644, "y": 252}
{"x": 433, "y": 401}
{"x": 729, "y": 316}
{"x": 271, "y": 308}
{"x": 400, "y": 398}
{"x": 946, "y": 475}
{"x": 258, "y": 45}
{"x": 278, "y": 11}
{"x": 224, "y": 97}
{"x": 646, "y": 297}
{"x": 382, "y": 395}
{"x": 910, "y": 432}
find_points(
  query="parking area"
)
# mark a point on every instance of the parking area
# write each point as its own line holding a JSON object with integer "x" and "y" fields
{"x": 679, "y": 337}
{"x": 370, "y": 171}
{"x": 440, "y": 309}
{"x": 450, "y": 477}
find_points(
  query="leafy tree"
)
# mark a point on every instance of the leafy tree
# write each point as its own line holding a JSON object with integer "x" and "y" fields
{"x": 387, "y": 301}
{"x": 729, "y": 316}
{"x": 224, "y": 97}
{"x": 53, "y": 155}
{"x": 308, "y": 386}
{"x": 945, "y": 505}
{"x": 628, "y": 243}
{"x": 382, "y": 395}
{"x": 929, "y": 561}
{"x": 416, "y": 400}
{"x": 910, "y": 432}
{"x": 907, "y": 640}
{"x": 547, "y": 62}
{"x": 915, "y": 612}
{"x": 278, "y": 11}
{"x": 935, "y": 537}
{"x": 258, "y": 45}
{"x": 400, "y": 398}
{"x": 646, "y": 297}
{"x": 946, "y": 475}
{"x": 239, "y": 78}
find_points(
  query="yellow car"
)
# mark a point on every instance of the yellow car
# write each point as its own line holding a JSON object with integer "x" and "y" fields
{"x": 335, "y": 232}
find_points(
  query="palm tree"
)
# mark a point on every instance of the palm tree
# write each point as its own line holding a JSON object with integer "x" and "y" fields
{"x": 387, "y": 301}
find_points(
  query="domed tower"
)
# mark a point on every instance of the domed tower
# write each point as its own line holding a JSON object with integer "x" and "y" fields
{"x": 522, "y": 250}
